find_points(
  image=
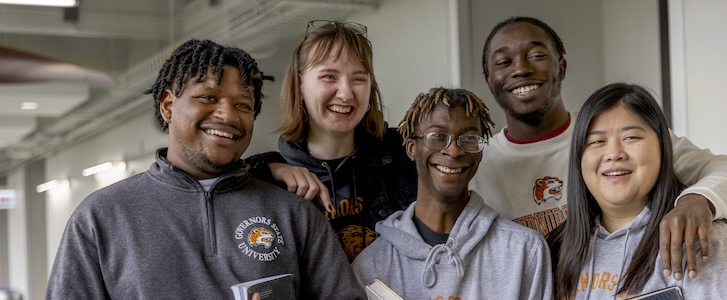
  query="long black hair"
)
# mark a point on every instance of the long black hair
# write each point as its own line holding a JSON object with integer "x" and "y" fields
{"x": 570, "y": 241}
{"x": 198, "y": 58}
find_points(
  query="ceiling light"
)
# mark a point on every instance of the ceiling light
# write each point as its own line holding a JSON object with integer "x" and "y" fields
{"x": 29, "y": 105}
{"x": 55, "y": 183}
{"x": 58, "y": 3}
{"x": 103, "y": 167}
{"x": 96, "y": 169}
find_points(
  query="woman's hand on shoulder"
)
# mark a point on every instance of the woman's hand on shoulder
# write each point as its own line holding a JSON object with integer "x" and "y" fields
{"x": 302, "y": 182}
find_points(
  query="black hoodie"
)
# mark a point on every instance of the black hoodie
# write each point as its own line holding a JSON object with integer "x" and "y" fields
{"x": 378, "y": 172}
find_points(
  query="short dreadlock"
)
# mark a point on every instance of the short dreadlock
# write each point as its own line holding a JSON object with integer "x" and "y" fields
{"x": 198, "y": 58}
{"x": 425, "y": 104}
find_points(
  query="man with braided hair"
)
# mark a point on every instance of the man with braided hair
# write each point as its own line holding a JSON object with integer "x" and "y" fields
{"x": 196, "y": 222}
{"x": 449, "y": 244}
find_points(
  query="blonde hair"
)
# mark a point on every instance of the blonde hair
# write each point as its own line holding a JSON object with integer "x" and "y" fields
{"x": 317, "y": 46}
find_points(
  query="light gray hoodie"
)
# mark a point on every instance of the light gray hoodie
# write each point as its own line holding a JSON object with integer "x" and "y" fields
{"x": 485, "y": 257}
{"x": 610, "y": 254}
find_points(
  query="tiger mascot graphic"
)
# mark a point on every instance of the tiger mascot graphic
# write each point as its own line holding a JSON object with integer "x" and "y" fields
{"x": 260, "y": 236}
{"x": 547, "y": 188}
{"x": 351, "y": 238}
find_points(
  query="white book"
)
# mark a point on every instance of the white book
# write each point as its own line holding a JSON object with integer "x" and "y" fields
{"x": 278, "y": 287}
{"x": 380, "y": 291}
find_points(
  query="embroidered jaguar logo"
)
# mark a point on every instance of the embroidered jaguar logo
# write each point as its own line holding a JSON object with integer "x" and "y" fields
{"x": 547, "y": 188}
{"x": 260, "y": 237}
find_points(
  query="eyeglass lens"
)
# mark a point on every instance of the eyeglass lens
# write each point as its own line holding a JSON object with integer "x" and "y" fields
{"x": 468, "y": 142}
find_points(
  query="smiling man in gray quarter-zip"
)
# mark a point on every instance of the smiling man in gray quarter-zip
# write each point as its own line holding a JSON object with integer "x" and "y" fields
{"x": 196, "y": 223}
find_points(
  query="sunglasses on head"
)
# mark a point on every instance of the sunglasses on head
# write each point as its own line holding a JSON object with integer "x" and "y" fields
{"x": 326, "y": 25}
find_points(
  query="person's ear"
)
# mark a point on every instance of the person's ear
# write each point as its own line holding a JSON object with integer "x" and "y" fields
{"x": 487, "y": 78}
{"x": 410, "y": 149}
{"x": 165, "y": 106}
{"x": 561, "y": 67}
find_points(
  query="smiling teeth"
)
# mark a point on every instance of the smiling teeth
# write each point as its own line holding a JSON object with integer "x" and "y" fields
{"x": 340, "y": 109}
{"x": 525, "y": 89}
{"x": 220, "y": 133}
{"x": 617, "y": 173}
{"x": 449, "y": 170}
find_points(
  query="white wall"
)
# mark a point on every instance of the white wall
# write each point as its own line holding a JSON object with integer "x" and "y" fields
{"x": 631, "y": 43}
{"x": 265, "y": 137}
{"x": 704, "y": 31}
{"x": 411, "y": 50}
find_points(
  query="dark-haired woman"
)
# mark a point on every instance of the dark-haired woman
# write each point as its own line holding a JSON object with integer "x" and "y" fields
{"x": 621, "y": 184}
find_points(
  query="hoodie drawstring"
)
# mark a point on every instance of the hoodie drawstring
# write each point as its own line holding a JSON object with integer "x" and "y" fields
{"x": 592, "y": 245}
{"x": 593, "y": 259}
{"x": 429, "y": 276}
{"x": 354, "y": 200}
{"x": 361, "y": 213}
{"x": 333, "y": 188}
{"x": 623, "y": 262}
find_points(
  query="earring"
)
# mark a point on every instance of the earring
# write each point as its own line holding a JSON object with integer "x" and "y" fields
{"x": 168, "y": 116}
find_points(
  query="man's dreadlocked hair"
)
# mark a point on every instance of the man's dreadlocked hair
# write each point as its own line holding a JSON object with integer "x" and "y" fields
{"x": 425, "y": 104}
{"x": 197, "y": 59}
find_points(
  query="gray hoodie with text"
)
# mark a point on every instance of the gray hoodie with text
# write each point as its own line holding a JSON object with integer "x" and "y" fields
{"x": 609, "y": 255}
{"x": 485, "y": 257}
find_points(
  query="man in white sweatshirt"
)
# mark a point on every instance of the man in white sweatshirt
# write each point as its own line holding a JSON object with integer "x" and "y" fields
{"x": 449, "y": 244}
{"x": 525, "y": 166}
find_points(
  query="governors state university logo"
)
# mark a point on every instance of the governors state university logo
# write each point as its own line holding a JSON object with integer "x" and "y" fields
{"x": 260, "y": 238}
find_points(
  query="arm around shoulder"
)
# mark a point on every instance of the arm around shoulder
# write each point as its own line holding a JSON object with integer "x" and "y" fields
{"x": 703, "y": 172}
{"x": 259, "y": 165}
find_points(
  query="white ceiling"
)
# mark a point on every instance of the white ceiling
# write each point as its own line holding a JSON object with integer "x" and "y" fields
{"x": 53, "y": 99}
{"x": 74, "y": 45}
{"x": 128, "y": 40}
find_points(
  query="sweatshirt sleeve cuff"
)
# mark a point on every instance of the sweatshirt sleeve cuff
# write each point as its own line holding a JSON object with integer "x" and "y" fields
{"x": 718, "y": 202}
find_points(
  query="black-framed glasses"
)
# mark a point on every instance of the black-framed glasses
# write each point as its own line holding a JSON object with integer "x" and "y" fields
{"x": 357, "y": 28}
{"x": 470, "y": 143}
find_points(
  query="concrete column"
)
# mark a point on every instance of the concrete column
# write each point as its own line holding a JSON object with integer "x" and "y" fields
{"x": 36, "y": 229}
{"x": 4, "y": 268}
